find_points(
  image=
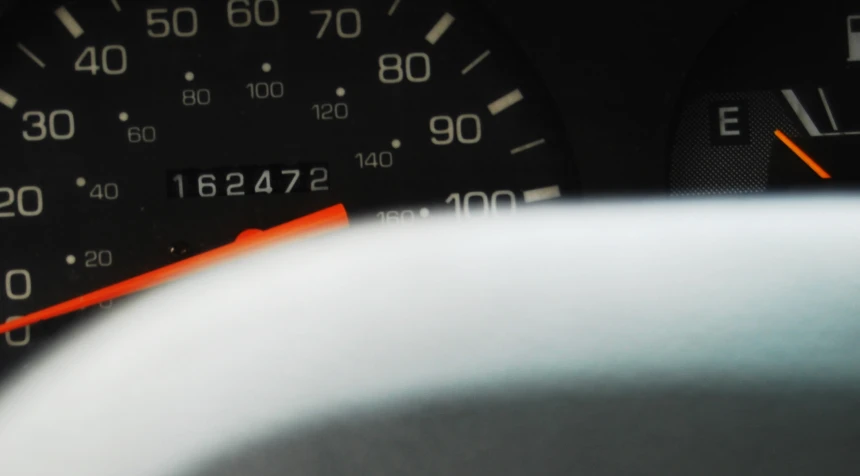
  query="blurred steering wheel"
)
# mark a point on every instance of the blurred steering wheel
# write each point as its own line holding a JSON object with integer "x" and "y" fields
{"x": 714, "y": 337}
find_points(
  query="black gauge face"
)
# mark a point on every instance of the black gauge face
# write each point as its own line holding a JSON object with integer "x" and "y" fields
{"x": 137, "y": 133}
{"x": 772, "y": 103}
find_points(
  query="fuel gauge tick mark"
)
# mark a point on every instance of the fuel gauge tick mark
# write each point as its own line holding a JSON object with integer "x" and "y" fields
{"x": 798, "y": 108}
{"x": 806, "y": 119}
{"x": 827, "y": 108}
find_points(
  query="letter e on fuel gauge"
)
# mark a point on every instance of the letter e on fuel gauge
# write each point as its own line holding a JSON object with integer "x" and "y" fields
{"x": 729, "y": 123}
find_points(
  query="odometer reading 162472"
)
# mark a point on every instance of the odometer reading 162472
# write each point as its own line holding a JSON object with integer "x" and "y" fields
{"x": 136, "y": 134}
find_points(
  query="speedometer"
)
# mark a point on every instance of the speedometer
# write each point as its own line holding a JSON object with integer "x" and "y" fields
{"x": 134, "y": 134}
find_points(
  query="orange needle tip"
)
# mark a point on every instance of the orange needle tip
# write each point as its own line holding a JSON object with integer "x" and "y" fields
{"x": 802, "y": 155}
{"x": 324, "y": 220}
{"x": 250, "y": 232}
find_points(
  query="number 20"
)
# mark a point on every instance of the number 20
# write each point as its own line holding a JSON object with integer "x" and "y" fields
{"x": 31, "y": 208}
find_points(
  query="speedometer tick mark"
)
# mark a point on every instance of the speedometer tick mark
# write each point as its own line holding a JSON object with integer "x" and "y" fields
{"x": 123, "y": 116}
{"x": 69, "y": 22}
{"x": 189, "y": 76}
{"x": 31, "y": 55}
{"x": 474, "y": 63}
{"x": 340, "y": 92}
{"x": 439, "y": 28}
{"x": 81, "y": 182}
{"x": 393, "y": 7}
{"x": 70, "y": 260}
{"x": 115, "y": 4}
{"x": 541, "y": 194}
{"x": 505, "y": 102}
{"x": 530, "y": 145}
{"x": 267, "y": 67}
{"x": 395, "y": 143}
{"x": 7, "y": 99}
{"x": 424, "y": 213}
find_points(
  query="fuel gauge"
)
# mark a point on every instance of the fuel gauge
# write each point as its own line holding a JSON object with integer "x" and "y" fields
{"x": 773, "y": 103}
{"x": 827, "y": 159}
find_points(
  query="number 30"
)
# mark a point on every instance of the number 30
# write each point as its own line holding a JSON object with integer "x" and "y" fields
{"x": 58, "y": 130}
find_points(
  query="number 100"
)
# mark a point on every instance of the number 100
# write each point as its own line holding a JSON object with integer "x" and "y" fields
{"x": 477, "y": 204}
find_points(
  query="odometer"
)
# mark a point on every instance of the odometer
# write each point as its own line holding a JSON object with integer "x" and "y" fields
{"x": 134, "y": 134}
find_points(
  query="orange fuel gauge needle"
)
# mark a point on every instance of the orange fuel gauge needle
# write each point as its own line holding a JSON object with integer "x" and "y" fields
{"x": 324, "y": 220}
{"x": 803, "y": 155}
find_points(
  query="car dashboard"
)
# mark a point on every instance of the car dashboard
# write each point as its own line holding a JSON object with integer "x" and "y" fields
{"x": 141, "y": 139}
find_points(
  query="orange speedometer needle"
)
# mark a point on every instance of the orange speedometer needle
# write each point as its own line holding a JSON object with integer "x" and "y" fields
{"x": 324, "y": 220}
{"x": 803, "y": 155}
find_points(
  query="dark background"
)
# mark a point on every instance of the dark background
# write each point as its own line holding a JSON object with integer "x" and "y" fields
{"x": 616, "y": 70}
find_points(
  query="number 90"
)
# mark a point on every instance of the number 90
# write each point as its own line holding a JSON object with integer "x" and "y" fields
{"x": 466, "y": 129}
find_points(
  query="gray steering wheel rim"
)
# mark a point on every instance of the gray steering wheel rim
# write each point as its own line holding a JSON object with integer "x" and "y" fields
{"x": 725, "y": 296}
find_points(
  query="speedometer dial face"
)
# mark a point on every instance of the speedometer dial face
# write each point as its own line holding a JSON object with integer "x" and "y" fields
{"x": 772, "y": 103}
{"x": 137, "y": 133}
